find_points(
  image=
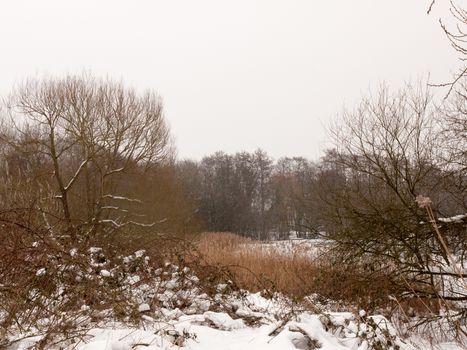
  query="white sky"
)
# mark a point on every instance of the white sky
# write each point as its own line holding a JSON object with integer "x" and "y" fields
{"x": 234, "y": 75}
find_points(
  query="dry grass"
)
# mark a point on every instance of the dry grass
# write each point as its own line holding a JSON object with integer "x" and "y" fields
{"x": 254, "y": 267}
{"x": 294, "y": 273}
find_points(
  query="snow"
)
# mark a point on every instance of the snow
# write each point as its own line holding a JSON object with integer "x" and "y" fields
{"x": 218, "y": 330}
{"x": 223, "y": 321}
{"x": 105, "y": 273}
{"x": 133, "y": 279}
{"x": 297, "y": 247}
{"x": 41, "y": 272}
{"x": 144, "y": 307}
{"x": 183, "y": 317}
{"x": 214, "y": 330}
{"x": 94, "y": 250}
{"x": 456, "y": 219}
{"x": 140, "y": 253}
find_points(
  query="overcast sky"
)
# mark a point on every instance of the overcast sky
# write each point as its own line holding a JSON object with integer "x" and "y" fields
{"x": 233, "y": 75}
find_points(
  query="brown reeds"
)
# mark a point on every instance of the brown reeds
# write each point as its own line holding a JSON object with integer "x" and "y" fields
{"x": 294, "y": 271}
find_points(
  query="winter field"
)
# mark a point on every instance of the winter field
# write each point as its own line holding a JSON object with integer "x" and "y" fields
{"x": 109, "y": 242}
{"x": 168, "y": 306}
{"x": 233, "y": 175}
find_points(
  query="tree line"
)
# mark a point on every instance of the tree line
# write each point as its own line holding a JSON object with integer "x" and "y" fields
{"x": 86, "y": 154}
{"x": 393, "y": 147}
{"x": 250, "y": 194}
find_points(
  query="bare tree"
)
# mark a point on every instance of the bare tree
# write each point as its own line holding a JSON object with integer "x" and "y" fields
{"x": 295, "y": 196}
{"x": 91, "y": 132}
{"x": 389, "y": 150}
{"x": 263, "y": 165}
{"x": 457, "y": 37}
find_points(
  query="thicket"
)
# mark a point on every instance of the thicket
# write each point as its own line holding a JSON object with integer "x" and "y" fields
{"x": 86, "y": 180}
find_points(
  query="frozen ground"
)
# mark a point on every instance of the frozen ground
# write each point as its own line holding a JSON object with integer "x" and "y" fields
{"x": 218, "y": 330}
{"x": 174, "y": 313}
{"x": 305, "y": 247}
{"x": 256, "y": 326}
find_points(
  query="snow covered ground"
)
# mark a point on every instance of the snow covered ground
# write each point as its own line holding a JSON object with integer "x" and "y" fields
{"x": 256, "y": 326}
{"x": 174, "y": 313}
{"x": 305, "y": 247}
{"x": 218, "y": 330}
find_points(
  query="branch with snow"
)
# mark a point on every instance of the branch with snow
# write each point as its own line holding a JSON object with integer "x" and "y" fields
{"x": 118, "y": 225}
{"x": 75, "y": 176}
{"x": 122, "y": 198}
